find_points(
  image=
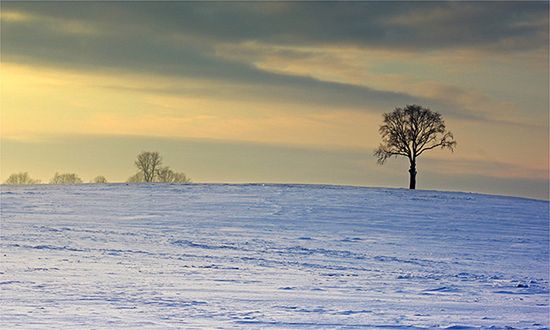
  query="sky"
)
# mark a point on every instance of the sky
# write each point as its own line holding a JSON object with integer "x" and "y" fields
{"x": 280, "y": 92}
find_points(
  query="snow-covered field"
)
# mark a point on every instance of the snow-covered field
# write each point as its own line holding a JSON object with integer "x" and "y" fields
{"x": 283, "y": 256}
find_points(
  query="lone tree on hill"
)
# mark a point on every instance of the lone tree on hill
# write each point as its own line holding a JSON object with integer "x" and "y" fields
{"x": 148, "y": 163}
{"x": 409, "y": 132}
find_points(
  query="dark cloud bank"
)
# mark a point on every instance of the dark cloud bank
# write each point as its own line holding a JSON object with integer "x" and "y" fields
{"x": 414, "y": 25}
{"x": 179, "y": 39}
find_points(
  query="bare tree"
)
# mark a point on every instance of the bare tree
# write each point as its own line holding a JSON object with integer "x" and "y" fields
{"x": 150, "y": 169}
{"x": 99, "y": 179}
{"x": 166, "y": 175}
{"x": 65, "y": 178}
{"x": 148, "y": 163}
{"x": 409, "y": 132}
{"x": 21, "y": 178}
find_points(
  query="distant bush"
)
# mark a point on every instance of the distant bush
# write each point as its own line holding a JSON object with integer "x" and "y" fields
{"x": 65, "y": 178}
{"x": 136, "y": 178}
{"x": 99, "y": 179}
{"x": 21, "y": 178}
{"x": 180, "y": 177}
{"x": 166, "y": 175}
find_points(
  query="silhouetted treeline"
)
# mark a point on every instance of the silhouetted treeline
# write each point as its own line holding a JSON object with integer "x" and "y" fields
{"x": 149, "y": 165}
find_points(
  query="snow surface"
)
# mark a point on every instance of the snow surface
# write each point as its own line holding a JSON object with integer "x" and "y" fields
{"x": 281, "y": 256}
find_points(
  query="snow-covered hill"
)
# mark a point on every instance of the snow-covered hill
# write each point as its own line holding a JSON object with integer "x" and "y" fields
{"x": 238, "y": 256}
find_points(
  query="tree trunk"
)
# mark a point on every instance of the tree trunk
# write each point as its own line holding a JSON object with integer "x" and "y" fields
{"x": 412, "y": 172}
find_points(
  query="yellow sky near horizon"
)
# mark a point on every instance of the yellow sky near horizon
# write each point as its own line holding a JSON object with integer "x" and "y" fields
{"x": 81, "y": 103}
{"x": 76, "y": 77}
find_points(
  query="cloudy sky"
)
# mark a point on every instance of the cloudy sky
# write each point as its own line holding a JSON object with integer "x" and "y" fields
{"x": 276, "y": 91}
